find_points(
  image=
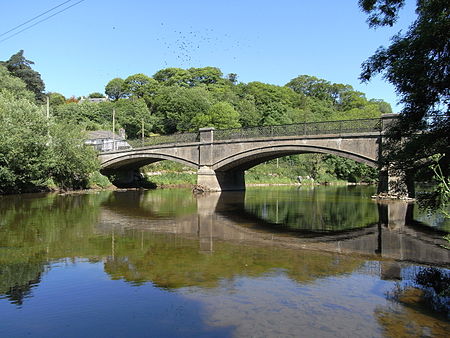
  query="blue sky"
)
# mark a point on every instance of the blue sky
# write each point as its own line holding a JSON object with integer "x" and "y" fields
{"x": 79, "y": 50}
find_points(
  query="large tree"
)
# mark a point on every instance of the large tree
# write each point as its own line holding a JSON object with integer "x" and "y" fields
{"x": 115, "y": 89}
{"x": 20, "y": 67}
{"x": 417, "y": 63}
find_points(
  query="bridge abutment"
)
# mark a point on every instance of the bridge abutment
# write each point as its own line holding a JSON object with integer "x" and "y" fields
{"x": 127, "y": 178}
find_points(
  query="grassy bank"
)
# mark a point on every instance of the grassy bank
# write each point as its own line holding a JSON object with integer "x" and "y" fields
{"x": 167, "y": 173}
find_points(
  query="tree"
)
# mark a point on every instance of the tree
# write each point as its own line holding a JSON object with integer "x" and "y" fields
{"x": 139, "y": 85}
{"x": 96, "y": 95}
{"x": 20, "y": 67}
{"x": 417, "y": 64}
{"x": 115, "y": 89}
{"x": 205, "y": 75}
{"x": 177, "y": 106}
{"x": 34, "y": 150}
{"x": 13, "y": 85}
{"x": 131, "y": 113}
{"x": 21, "y": 151}
{"x": 232, "y": 77}
{"x": 220, "y": 115}
{"x": 56, "y": 99}
{"x": 69, "y": 161}
{"x": 172, "y": 76}
{"x": 311, "y": 86}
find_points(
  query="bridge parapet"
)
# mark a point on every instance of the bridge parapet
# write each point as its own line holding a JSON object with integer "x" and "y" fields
{"x": 376, "y": 125}
{"x": 298, "y": 129}
{"x": 165, "y": 139}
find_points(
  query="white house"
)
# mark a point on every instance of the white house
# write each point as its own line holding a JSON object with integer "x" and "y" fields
{"x": 105, "y": 140}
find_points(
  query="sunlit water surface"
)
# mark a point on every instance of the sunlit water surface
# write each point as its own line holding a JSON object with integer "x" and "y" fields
{"x": 325, "y": 262}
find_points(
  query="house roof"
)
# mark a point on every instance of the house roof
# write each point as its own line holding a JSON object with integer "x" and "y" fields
{"x": 103, "y": 134}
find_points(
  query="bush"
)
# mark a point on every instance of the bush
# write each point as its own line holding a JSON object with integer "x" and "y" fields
{"x": 97, "y": 180}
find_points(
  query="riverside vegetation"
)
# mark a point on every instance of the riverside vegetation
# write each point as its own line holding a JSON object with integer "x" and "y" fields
{"x": 39, "y": 153}
{"x": 36, "y": 154}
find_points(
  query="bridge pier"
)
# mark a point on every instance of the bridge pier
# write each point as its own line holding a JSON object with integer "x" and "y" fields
{"x": 220, "y": 180}
{"x": 395, "y": 184}
{"x": 392, "y": 182}
{"x": 207, "y": 177}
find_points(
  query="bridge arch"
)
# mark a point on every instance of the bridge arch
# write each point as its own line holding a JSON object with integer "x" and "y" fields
{"x": 140, "y": 159}
{"x": 249, "y": 158}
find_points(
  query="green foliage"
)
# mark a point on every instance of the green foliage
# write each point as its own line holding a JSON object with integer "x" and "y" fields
{"x": 69, "y": 162}
{"x": 98, "y": 180}
{"x": 35, "y": 152}
{"x": 189, "y": 78}
{"x": 131, "y": 113}
{"x": 89, "y": 115}
{"x": 439, "y": 197}
{"x": 139, "y": 85}
{"x": 220, "y": 115}
{"x": 56, "y": 99}
{"x": 205, "y": 75}
{"x": 13, "y": 85}
{"x": 96, "y": 95}
{"x": 176, "y": 107}
{"x": 173, "y": 178}
{"x": 321, "y": 168}
{"x": 172, "y": 77}
{"x": 23, "y": 138}
{"x": 20, "y": 67}
{"x": 115, "y": 89}
{"x": 416, "y": 63}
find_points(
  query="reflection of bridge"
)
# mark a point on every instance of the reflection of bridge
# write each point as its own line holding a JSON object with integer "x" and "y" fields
{"x": 222, "y": 156}
{"x": 221, "y": 217}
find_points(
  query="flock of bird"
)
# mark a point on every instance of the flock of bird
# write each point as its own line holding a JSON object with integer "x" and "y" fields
{"x": 191, "y": 46}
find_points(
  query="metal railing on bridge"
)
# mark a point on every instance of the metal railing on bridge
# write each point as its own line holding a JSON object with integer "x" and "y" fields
{"x": 297, "y": 129}
{"x": 165, "y": 139}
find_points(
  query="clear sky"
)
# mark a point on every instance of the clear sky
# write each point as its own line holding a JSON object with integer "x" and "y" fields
{"x": 79, "y": 50}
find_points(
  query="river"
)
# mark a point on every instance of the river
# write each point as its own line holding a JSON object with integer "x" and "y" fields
{"x": 268, "y": 262}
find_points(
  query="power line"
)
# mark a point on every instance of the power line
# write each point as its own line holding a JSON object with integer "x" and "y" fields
{"x": 37, "y": 16}
{"x": 36, "y": 23}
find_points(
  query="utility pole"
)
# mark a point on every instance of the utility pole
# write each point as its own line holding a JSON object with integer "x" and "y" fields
{"x": 48, "y": 107}
{"x": 143, "y": 132}
{"x": 114, "y": 128}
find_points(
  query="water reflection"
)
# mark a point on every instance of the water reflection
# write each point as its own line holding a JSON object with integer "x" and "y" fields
{"x": 242, "y": 251}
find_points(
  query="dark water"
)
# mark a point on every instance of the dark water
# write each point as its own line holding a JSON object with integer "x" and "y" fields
{"x": 325, "y": 262}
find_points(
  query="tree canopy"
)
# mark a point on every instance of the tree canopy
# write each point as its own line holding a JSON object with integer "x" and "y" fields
{"x": 36, "y": 152}
{"x": 20, "y": 67}
{"x": 417, "y": 64}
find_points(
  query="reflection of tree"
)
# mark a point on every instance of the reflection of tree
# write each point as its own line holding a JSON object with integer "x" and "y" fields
{"x": 413, "y": 305}
{"x": 37, "y": 229}
{"x": 41, "y": 230}
{"x": 160, "y": 203}
{"x": 172, "y": 262}
{"x": 16, "y": 280}
{"x": 411, "y": 318}
{"x": 316, "y": 209}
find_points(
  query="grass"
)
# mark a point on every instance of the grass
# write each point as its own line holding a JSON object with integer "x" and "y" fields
{"x": 166, "y": 173}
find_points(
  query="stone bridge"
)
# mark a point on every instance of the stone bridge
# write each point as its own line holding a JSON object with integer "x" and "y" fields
{"x": 222, "y": 156}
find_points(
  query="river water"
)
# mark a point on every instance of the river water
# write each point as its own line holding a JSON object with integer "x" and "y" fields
{"x": 270, "y": 262}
